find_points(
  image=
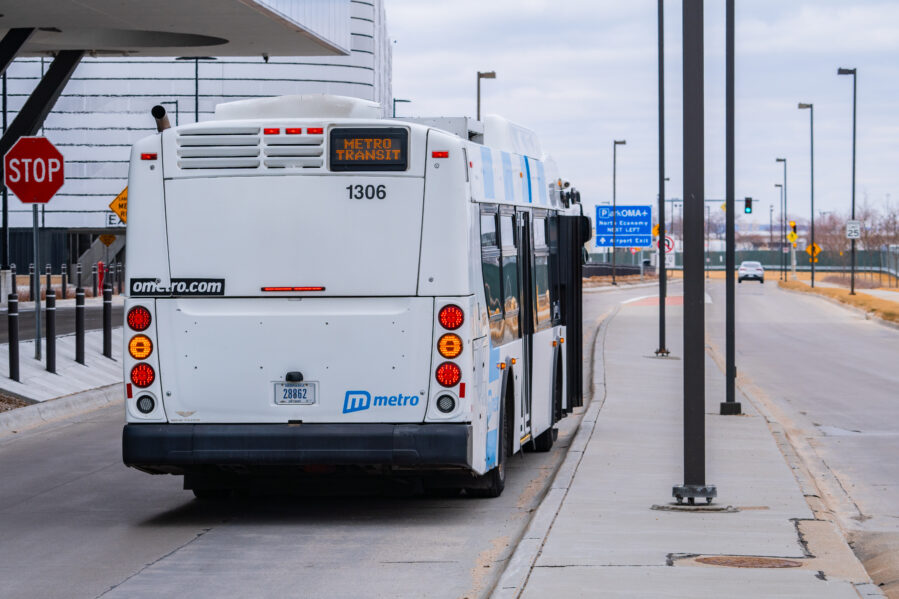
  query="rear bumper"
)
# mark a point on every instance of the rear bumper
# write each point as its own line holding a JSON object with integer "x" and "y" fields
{"x": 181, "y": 447}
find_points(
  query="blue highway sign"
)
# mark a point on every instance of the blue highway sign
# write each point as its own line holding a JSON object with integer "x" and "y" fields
{"x": 634, "y": 226}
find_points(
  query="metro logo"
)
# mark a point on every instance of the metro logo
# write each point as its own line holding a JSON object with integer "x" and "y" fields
{"x": 357, "y": 401}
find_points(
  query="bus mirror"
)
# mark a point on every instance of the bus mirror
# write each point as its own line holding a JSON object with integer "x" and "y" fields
{"x": 586, "y": 229}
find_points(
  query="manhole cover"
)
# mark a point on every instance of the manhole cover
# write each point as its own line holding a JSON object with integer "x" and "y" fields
{"x": 748, "y": 561}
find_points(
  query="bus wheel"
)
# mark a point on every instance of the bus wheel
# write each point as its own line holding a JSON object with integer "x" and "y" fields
{"x": 493, "y": 482}
{"x": 544, "y": 441}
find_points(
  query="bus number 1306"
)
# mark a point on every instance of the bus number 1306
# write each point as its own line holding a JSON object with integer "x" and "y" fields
{"x": 366, "y": 192}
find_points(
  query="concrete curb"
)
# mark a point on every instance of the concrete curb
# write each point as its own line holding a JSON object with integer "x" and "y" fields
{"x": 27, "y": 417}
{"x": 622, "y": 287}
{"x": 518, "y": 568}
{"x": 864, "y": 313}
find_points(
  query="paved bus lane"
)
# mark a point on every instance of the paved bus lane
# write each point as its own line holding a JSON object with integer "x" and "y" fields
{"x": 77, "y": 523}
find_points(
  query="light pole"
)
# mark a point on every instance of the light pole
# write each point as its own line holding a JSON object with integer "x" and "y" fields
{"x": 615, "y": 144}
{"x": 811, "y": 109}
{"x": 486, "y": 75}
{"x": 784, "y": 218}
{"x": 196, "y": 60}
{"x": 395, "y": 100}
{"x": 708, "y": 264}
{"x": 663, "y": 275}
{"x": 843, "y": 71}
{"x": 783, "y": 239}
{"x": 770, "y": 225}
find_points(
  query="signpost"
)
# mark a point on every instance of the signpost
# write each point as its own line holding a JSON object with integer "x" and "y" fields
{"x": 34, "y": 170}
{"x": 634, "y": 226}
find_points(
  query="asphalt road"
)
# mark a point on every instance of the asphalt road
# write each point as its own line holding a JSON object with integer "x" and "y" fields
{"x": 65, "y": 321}
{"x": 76, "y": 523}
{"x": 836, "y": 377}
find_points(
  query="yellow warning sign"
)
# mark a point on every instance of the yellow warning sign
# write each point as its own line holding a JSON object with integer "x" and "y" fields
{"x": 792, "y": 236}
{"x": 813, "y": 250}
{"x": 120, "y": 207}
{"x": 107, "y": 239}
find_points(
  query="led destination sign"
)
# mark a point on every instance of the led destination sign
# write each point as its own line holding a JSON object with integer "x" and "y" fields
{"x": 370, "y": 149}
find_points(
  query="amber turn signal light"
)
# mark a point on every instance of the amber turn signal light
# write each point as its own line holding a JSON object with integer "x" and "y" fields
{"x": 450, "y": 345}
{"x": 140, "y": 347}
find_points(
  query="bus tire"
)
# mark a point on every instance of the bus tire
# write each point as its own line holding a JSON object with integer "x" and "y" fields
{"x": 493, "y": 482}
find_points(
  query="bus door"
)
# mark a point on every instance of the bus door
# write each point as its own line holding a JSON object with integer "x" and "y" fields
{"x": 526, "y": 316}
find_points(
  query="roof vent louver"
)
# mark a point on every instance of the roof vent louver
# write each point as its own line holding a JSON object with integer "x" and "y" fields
{"x": 219, "y": 148}
{"x": 293, "y": 151}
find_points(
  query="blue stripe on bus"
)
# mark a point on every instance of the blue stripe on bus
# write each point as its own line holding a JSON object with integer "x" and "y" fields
{"x": 487, "y": 171}
{"x": 507, "y": 177}
{"x": 527, "y": 177}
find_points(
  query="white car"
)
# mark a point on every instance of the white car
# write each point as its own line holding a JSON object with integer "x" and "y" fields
{"x": 751, "y": 270}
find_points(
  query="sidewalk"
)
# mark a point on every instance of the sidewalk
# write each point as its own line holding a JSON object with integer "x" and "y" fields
{"x": 38, "y": 385}
{"x": 597, "y": 534}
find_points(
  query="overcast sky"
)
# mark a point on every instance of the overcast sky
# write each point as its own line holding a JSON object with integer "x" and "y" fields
{"x": 584, "y": 72}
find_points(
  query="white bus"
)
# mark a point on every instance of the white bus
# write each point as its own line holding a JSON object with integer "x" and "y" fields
{"x": 314, "y": 288}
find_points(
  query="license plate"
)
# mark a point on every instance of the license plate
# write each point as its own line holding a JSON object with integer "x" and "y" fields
{"x": 294, "y": 394}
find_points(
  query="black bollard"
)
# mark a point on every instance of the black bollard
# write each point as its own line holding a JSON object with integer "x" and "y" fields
{"x": 49, "y": 272}
{"x": 78, "y": 277}
{"x": 107, "y": 321}
{"x": 64, "y": 270}
{"x": 121, "y": 277}
{"x": 94, "y": 277}
{"x": 79, "y": 323}
{"x": 51, "y": 330}
{"x": 15, "y": 284}
{"x": 31, "y": 282}
{"x": 13, "y": 319}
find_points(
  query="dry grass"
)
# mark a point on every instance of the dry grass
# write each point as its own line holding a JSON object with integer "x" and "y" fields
{"x": 882, "y": 308}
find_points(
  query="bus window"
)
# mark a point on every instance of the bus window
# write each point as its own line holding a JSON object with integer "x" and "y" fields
{"x": 490, "y": 267}
{"x": 541, "y": 287}
{"x": 507, "y": 230}
{"x": 539, "y": 233}
{"x": 555, "y": 291}
{"x": 511, "y": 303}
{"x": 488, "y": 230}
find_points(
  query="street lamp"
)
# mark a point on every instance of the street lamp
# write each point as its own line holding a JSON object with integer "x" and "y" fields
{"x": 811, "y": 108}
{"x": 615, "y": 144}
{"x": 783, "y": 239}
{"x": 843, "y": 71}
{"x": 783, "y": 218}
{"x": 486, "y": 75}
{"x": 770, "y": 225}
{"x": 395, "y": 100}
{"x": 196, "y": 60}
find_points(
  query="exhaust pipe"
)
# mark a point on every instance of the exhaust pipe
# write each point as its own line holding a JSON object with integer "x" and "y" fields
{"x": 162, "y": 119}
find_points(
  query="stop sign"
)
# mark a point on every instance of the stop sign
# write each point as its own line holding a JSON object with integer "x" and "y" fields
{"x": 33, "y": 170}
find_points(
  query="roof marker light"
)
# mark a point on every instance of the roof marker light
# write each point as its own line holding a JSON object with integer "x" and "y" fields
{"x": 307, "y": 288}
{"x": 148, "y": 156}
{"x": 293, "y": 131}
{"x": 440, "y": 154}
{"x": 314, "y": 130}
{"x": 271, "y": 131}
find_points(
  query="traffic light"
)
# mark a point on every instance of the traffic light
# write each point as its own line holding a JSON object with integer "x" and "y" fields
{"x": 793, "y": 226}
{"x": 747, "y": 206}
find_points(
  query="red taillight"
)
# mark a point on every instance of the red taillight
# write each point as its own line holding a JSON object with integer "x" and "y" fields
{"x": 451, "y": 317}
{"x": 271, "y": 131}
{"x": 143, "y": 375}
{"x": 139, "y": 318}
{"x": 314, "y": 130}
{"x": 439, "y": 154}
{"x": 448, "y": 374}
{"x": 148, "y": 156}
{"x": 293, "y": 131}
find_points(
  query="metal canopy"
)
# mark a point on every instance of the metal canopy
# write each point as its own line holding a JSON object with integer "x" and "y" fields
{"x": 177, "y": 27}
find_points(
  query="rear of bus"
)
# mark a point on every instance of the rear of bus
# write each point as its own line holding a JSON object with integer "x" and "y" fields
{"x": 290, "y": 281}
